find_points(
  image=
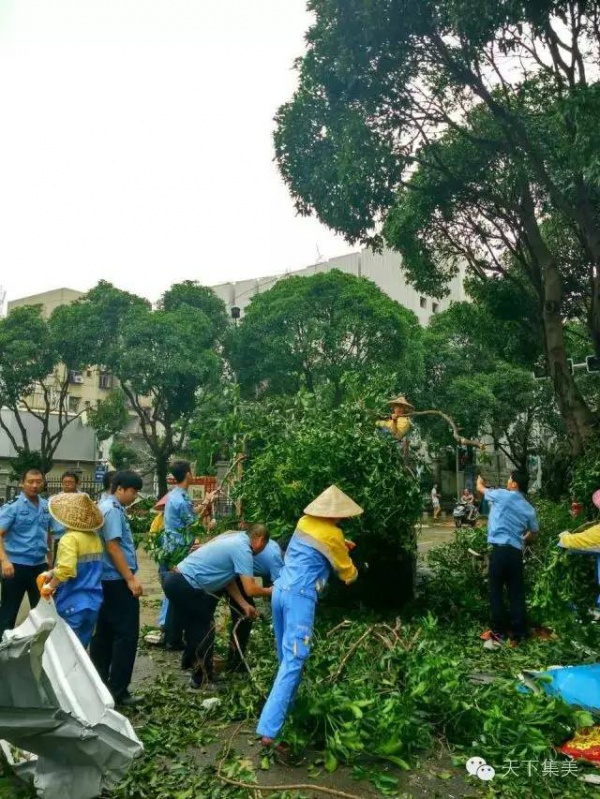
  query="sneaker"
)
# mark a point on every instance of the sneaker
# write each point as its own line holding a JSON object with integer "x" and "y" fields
{"x": 208, "y": 687}
{"x": 280, "y": 752}
{"x": 492, "y": 644}
{"x": 177, "y": 647}
{"x": 489, "y": 634}
{"x": 155, "y": 638}
{"x": 491, "y": 640}
{"x": 128, "y": 700}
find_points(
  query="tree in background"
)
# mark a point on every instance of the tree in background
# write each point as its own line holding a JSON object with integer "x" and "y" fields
{"x": 310, "y": 332}
{"x": 37, "y": 356}
{"x": 214, "y": 429}
{"x": 162, "y": 358}
{"x": 473, "y": 133}
{"x": 468, "y": 374}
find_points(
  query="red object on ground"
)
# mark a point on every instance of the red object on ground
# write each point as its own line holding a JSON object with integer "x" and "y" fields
{"x": 576, "y": 508}
{"x": 585, "y": 745}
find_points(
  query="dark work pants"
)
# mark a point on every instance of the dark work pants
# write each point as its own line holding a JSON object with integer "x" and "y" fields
{"x": 114, "y": 645}
{"x": 506, "y": 571}
{"x": 195, "y": 611}
{"x": 13, "y": 591}
{"x": 241, "y": 627}
{"x": 173, "y": 628}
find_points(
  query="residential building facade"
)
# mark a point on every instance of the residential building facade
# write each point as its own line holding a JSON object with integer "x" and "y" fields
{"x": 384, "y": 269}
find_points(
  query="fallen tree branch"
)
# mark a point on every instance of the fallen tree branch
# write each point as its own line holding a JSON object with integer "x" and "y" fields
{"x": 351, "y": 651}
{"x": 249, "y": 786}
{"x": 453, "y": 426}
{"x": 345, "y": 623}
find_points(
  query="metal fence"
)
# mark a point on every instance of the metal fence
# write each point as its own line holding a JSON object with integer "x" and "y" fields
{"x": 55, "y": 487}
{"x": 223, "y": 506}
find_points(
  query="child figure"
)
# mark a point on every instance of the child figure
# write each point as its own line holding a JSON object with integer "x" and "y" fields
{"x": 76, "y": 577}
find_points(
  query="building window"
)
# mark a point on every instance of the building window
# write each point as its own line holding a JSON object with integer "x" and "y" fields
{"x": 89, "y": 372}
{"x": 105, "y": 380}
{"x": 435, "y": 307}
{"x": 423, "y": 302}
{"x": 73, "y": 404}
{"x": 75, "y": 376}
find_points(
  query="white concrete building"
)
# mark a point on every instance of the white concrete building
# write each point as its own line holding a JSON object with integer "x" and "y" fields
{"x": 384, "y": 269}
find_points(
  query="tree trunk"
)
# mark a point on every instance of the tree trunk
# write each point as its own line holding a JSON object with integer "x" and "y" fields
{"x": 578, "y": 418}
{"x": 576, "y": 414}
{"x": 162, "y": 470}
{"x": 594, "y": 317}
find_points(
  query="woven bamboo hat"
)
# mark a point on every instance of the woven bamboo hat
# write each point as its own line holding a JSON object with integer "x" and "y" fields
{"x": 402, "y": 402}
{"x": 333, "y": 504}
{"x": 76, "y": 512}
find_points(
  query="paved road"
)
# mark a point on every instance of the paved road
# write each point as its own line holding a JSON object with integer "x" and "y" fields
{"x": 432, "y": 535}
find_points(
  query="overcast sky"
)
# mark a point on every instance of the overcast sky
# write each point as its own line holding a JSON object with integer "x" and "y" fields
{"x": 135, "y": 143}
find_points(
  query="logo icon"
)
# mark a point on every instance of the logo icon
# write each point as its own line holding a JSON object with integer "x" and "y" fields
{"x": 477, "y": 767}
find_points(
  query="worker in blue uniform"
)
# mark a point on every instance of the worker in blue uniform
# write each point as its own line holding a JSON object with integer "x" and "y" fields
{"x": 267, "y": 565}
{"x": 196, "y": 584}
{"x": 25, "y": 547}
{"x": 114, "y": 644}
{"x": 179, "y": 515}
{"x": 317, "y": 547}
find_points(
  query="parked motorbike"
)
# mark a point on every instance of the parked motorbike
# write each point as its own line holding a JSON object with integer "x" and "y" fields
{"x": 465, "y": 514}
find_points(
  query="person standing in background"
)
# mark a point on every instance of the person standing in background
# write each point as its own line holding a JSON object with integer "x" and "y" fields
{"x": 435, "y": 501}
{"x": 512, "y": 524}
{"x": 114, "y": 645}
{"x": 70, "y": 485}
{"x": 25, "y": 547}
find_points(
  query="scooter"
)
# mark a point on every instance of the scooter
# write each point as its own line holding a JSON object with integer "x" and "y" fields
{"x": 465, "y": 514}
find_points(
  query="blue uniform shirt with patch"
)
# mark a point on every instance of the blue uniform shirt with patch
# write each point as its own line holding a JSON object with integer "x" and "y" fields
{"x": 26, "y": 526}
{"x": 511, "y": 516}
{"x": 269, "y": 563}
{"x": 214, "y": 565}
{"x": 116, "y": 527}
{"x": 179, "y": 514}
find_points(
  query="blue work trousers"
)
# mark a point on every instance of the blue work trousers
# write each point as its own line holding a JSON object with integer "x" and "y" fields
{"x": 168, "y": 619}
{"x": 293, "y": 620}
{"x": 83, "y": 624}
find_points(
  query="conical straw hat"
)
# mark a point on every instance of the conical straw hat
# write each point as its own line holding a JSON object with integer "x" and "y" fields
{"x": 333, "y": 504}
{"x": 76, "y": 512}
{"x": 401, "y": 400}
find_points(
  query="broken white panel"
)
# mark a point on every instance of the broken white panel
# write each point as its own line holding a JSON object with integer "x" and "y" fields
{"x": 54, "y": 705}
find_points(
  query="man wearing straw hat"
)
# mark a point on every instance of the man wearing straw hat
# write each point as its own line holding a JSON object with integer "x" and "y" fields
{"x": 585, "y": 540}
{"x": 317, "y": 547}
{"x": 398, "y": 425}
{"x": 76, "y": 580}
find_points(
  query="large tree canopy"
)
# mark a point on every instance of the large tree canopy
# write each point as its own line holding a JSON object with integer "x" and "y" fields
{"x": 478, "y": 124}
{"x": 312, "y": 331}
{"x": 37, "y": 356}
{"x": 162, "y": 358}
{"x": 472, "y": 372}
